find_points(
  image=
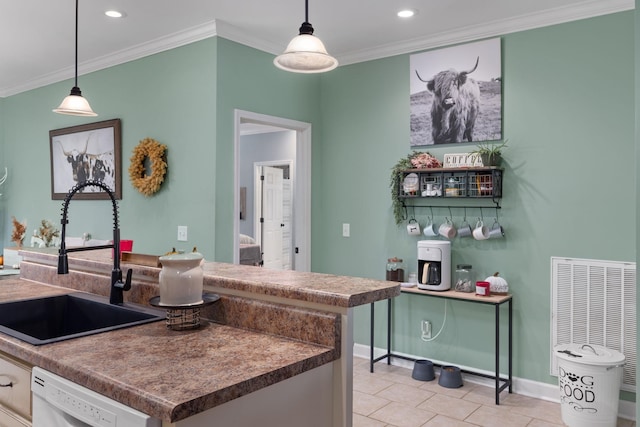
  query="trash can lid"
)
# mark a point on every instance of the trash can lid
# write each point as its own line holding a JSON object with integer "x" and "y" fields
{"x": 589, "y": 354}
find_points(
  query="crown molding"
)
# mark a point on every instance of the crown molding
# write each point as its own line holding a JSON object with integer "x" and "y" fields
{"x": 559, "y": 15}
{"x": 171, "y": 41}
{"x": 244, "y": 37}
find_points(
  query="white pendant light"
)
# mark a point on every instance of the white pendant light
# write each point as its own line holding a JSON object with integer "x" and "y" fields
{"x": 75, "y": 104}
{"x": 306, "y": 53}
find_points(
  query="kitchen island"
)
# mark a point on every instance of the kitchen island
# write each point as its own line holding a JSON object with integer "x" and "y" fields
{"x": 274, "y": 338}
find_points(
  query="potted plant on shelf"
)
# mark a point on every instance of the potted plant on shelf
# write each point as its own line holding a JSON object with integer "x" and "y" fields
{"x": 491, "y": 154}
{"x": 415, "y": 160}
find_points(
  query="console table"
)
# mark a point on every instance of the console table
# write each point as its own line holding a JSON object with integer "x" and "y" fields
{"x": 495, "y": 300}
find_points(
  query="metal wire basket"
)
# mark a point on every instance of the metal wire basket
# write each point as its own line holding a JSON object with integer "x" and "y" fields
{"x": 183, "y": 318}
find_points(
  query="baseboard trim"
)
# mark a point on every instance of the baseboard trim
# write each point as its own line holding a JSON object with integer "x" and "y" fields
{"x": 523, "y": 386}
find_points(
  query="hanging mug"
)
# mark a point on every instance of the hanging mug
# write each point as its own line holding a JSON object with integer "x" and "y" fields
{"x": 465, "y": 229}
{"x": 429, "y": 230}
{"x": 413, "y": 228}
{"x": 496, "y": 231}
{"x": 481, "y": 232}
{"x": 447, "y": 229}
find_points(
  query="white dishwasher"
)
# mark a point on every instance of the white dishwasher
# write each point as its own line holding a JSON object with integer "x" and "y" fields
{"x": 58, "y": 402}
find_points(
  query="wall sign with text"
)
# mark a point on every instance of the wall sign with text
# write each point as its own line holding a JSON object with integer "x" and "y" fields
{"x": 462, "y": 160}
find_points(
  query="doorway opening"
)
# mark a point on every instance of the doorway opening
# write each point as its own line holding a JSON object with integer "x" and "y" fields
{"x": 263, "y": 130}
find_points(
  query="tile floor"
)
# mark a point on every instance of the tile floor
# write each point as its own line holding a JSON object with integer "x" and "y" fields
{"x": 391, "y": 398}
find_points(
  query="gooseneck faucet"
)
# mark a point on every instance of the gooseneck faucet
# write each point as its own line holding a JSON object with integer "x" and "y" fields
{"x": 117, "y": 285}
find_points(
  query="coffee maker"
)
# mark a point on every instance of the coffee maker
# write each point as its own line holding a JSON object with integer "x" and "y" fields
{"x": 434, "y": 265}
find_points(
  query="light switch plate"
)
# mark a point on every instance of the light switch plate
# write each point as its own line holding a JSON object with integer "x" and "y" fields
{"x": 182, "y": 233}
{"x": 346, "y": 230}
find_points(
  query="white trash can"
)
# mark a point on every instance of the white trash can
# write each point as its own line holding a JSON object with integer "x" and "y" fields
{"x": 590, "y": 377}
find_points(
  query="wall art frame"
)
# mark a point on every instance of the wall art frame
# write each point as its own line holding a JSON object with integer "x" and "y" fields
{"x": 455, "y": 94}
{"x": 83, "y": 152}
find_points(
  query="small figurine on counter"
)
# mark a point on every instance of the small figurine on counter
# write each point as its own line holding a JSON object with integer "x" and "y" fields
{"x": 47, "y": 232}
{"x": 37, "y": 242}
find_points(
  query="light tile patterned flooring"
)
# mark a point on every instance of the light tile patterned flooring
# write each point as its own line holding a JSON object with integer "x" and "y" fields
{"x": 389, "y": 397}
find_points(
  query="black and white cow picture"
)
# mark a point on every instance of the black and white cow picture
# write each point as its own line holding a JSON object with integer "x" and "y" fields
{"x": 455, "y": 105}
{"x": 456, "y": 94}
{"x": 86, "y": 158}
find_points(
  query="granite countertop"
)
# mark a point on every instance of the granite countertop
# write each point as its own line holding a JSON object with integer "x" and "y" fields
{"x": 167, "y": 374}
{"x": 327, "y": 289}
{"x": 172, "y": 375}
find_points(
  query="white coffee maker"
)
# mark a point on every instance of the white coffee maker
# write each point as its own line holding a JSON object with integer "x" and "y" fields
{"x": 434, "y": 265}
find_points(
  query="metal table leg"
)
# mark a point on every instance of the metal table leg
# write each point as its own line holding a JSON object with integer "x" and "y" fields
{"x": 497, "y": 307}
{"x": 371, "y": 339}
{"x": 389, "y": 331}
{"x": 510, "y": 346}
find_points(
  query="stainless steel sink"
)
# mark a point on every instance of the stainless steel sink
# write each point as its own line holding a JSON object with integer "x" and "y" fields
{"x": 50, "y": 319}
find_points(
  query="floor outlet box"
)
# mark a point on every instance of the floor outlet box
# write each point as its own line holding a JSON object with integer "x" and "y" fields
{"x": 426, "y": 329}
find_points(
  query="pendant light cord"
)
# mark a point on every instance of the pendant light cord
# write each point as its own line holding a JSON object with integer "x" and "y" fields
{"x": 76, "y": 75}
{"x": 74, "y": 104}
{"x": 306, "y": 27}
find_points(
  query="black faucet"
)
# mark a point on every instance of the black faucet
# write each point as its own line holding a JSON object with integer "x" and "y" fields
{"x": 117, "y": 285}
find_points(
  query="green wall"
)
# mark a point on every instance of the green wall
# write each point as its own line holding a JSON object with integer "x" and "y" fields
{"x": 169, "y": 97}
{"x": 183, "y": 98}
{"x": 568, "y": 116}
{"x": 248, "y": 80}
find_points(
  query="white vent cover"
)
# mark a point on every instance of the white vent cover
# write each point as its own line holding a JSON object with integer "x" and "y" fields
{"x": 594, "y": 302}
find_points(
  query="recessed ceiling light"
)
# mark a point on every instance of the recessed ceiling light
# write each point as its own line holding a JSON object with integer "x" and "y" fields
{"x": 114, "y": 14}
{"x": 406, "y": 13}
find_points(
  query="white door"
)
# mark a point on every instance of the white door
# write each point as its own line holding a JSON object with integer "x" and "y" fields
{"x": 272, "y": 218}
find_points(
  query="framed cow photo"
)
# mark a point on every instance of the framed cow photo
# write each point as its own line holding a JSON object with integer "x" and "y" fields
{"x": 456, "y": 94}
{"x": 86, "y": 152}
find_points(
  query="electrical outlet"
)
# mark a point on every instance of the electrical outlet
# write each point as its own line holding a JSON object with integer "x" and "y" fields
{"x": 346, "y": 230}
{"x": 182, "y": 233}
{"x": 426, "y": 329}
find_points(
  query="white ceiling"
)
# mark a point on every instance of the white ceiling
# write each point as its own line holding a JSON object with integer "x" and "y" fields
{"x": 37, "y": 36}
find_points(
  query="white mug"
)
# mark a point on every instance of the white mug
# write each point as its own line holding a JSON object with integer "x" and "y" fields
{"x": 413, "y": 228}
{"x": 447, "y": 229}
{"x": 481, "y": 232}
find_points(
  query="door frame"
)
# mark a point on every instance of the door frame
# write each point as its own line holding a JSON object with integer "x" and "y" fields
{"x": 301, "y": 173}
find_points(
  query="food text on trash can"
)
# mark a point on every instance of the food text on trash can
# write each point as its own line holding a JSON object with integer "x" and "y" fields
{"x": 577, "y": 390}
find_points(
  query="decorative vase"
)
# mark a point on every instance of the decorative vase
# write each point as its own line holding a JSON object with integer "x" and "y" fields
{"x": 181, "y": 279}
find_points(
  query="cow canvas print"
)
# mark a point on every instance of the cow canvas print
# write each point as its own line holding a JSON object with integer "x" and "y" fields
{"x": 456, "y": 94}
{"x": 86, "y": 152}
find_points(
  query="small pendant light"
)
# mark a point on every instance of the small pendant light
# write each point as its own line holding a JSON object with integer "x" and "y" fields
{"x": 306, "y": 53}
{"x": 75, "y": 104}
